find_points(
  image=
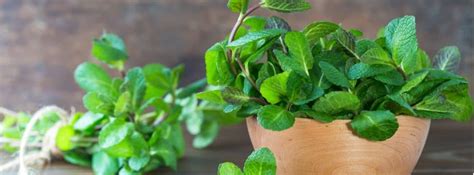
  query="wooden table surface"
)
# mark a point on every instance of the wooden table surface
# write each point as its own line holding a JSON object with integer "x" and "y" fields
{"x": 42, "y": 41}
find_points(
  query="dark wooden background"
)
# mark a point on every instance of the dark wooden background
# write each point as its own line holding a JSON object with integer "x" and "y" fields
{"x": 42, "y": 41}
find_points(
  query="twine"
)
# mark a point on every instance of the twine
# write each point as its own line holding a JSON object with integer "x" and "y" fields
{"x": 48, "y": 144}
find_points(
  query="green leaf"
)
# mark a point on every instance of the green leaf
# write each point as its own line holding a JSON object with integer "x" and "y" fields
{"x": 98, "y": 103}
{"x": 214, "y": 96}
{"x": 255, "y": 56}
{"x": 274, "y": 88}
{"x": 238, "y": 6}
{"x": 75, "y": 158}
{"x": 347, "y": 40}
{"x": 158, "y": 76}
{"x": 401, "y": 106}
{"x": 317, "y": 30}
{"x": 337, "y": 102}
{"x": 255, "y": 23}
{"x": 319, "y": 116}
{"x": 207, "y": 135}
{"x": 114, "y": 139}
{"x": 166, "y": 153}
{"x": 392, "y": 78}
{"x": 103, "y": 164}
{"x": 300, "y": 90}
{"x": 375, "y": 125}
{"x": 364, "y": 45}
{"x": 63, "y": 138}
{"x": 255, "y": 36}
{"x": 450, "y": 100}
{"x": 400, "y": 37}
{"x": 376, "y": 56}
{"x": 260, "y": 162}
{"x": 228, "y": 168}
{"x": 136, "y": 85}
{"x": 88, "y": 122}
{"x": 217, "y": 69}
{"x": 302, "y": 59}
{"x": 414, "y": 81}
{"x": 234, "y": 96}
{"x": 333, "y": 75}
{"x": 362, "y": 70}
{"x": 110, "y": 49}
{"x": 191, "y": 89}
{"x": 422, "y": 60}
{"x": 286, "y": 6}
{"x": 122, "y": 106}
{"x": 92, "y": 78}
{"x": 276, "y": 22}
{"x": 138, "y": 162}
{"x": 275, "y": 118}
{"x": 448, "y": 59}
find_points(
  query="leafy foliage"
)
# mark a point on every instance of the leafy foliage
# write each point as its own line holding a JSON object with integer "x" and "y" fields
{"x": 260, "y": 162}
{"x": 326, "y": 72}
{"x": 134, "y": 121}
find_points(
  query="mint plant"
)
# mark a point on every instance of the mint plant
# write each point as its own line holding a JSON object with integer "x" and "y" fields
{"x": 133, "y": 122}
{"x": 325, "y": 72}
{"x": 260, "y": 162}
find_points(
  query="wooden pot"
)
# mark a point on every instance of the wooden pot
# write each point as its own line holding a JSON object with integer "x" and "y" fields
{"x": 314, "y": 148}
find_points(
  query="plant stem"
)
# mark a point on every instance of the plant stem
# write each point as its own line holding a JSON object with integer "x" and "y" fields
{"x": 259, "y": 100}
{"x": 399, "y": 69}
{"x": 238, "y": 23}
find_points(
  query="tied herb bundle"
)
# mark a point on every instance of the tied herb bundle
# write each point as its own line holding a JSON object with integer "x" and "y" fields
{"x": 264, "y": 68}
{"x": 133, "y": 123}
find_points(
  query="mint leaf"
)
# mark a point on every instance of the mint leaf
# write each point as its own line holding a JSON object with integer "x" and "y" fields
{"x": 274, "y": 88}
{"x": 87, "y": 122}
{"x": 414, "y": 81}
{"x": 102, "y": 163}
{"x": 422, "y": 60}
{"x": 166, "y": 153}
{"x": 98, "y": 103}
{"x": 123, "y": 106}
{"x": 158, "y": 76}
{"x": 300, "y": 52}
{"x": 228, "y": 168}
{"x": 362, "y": 70}
{"x": 234, "y": 96}
{"x": 337, "y": 102}
{"x": 214, "y": 96}
{"x": 376, "y": 56}
{"x": 400, "y": 36}
{"x": 364, "y": 45}
{"x": 63, "y": 138}
{"x": 276, "y": 22}
{"x": 260, "y": 162}
{"x": 319, "y": 116}
{"x": 255, "y": 23}
{"x": 238, "y": 6}
{"x": 114, "y": 138}
{"x": 275, "y": 118}
{"x": 209, "y": 131}
{"x": 333, "y": 75}
{"x": 110, "y": 49}
{"x": 286, "y": 6}
{"x": 217, "y": 70}
{"x": 255, "y": 36}
{"x": 317, "y": 30}
{"x": 375, "y": 125}
{"x": 392, "y": 78}
{"x": 450, "y": 100}
{"x": 92, "y": 78}
{"x": 347, "y": 40}
{"x": 448, "y": 59}
{"x": 136, "y": 85}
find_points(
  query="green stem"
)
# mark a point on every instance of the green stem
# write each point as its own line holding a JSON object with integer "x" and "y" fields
{"x": 399, "y": 69}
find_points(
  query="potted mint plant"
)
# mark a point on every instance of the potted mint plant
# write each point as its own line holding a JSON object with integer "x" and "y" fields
{"x": 326, "y": 100}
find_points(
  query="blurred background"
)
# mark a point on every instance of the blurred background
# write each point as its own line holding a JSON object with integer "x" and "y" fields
{"x": 42, "y": 41}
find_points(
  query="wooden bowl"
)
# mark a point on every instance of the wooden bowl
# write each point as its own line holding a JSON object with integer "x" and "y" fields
{"x": 314, "y": 148}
